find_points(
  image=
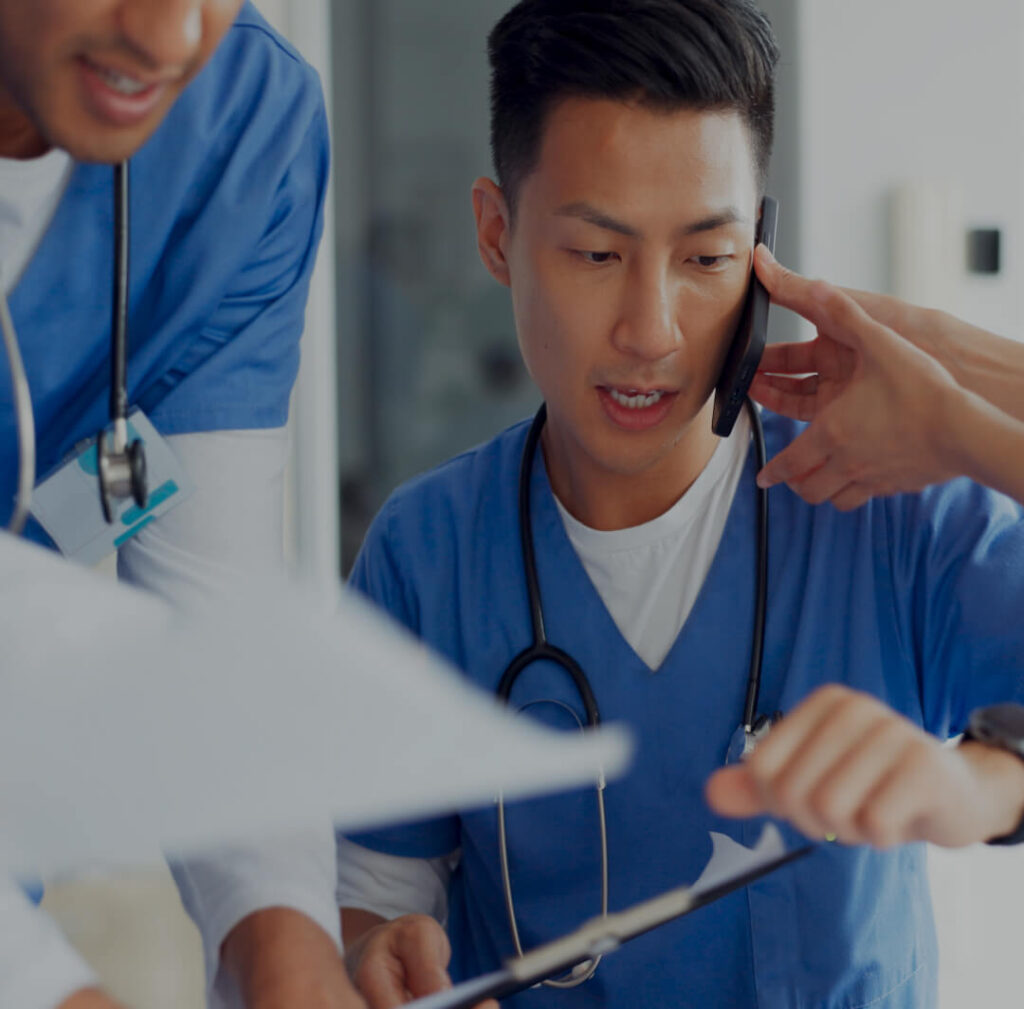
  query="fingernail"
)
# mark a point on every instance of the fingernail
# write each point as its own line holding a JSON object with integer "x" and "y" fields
{"x": 763, "y": 481}
{"x": 766, "y": 252}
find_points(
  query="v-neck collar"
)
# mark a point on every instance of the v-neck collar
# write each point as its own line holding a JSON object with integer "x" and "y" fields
{"x": 558, "y": 564}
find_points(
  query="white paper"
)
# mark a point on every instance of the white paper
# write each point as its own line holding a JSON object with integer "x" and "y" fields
{"x": 729, "y": 862}
{"x": 730, "y": 859}
{"x": 127, "y": 727}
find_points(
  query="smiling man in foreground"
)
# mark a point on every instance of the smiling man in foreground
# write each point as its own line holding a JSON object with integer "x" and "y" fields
{"x": 224, "y": 125}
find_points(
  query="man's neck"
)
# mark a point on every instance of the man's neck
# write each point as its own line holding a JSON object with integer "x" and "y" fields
{"x": 19, "y": 138}
{"x": 606, "y": 500}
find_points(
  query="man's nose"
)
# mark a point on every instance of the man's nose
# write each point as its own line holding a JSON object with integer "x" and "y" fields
{"x": 647, "y": 327}
{"x": 167, "y": 33}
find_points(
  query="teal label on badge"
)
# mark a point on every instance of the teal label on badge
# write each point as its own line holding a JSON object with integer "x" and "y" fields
{"x": 67, "y": 503}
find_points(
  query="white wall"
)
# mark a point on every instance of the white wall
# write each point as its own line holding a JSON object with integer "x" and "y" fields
{"x": 313, "y": 507}
{"x": 873, "y": 94}
{"x": 897, "y": 90}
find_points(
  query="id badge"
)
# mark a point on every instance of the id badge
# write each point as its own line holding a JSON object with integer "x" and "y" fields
{"x": 67, "y": 503}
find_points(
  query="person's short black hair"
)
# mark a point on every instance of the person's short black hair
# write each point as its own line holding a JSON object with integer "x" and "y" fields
{"x": 665, "y": 54}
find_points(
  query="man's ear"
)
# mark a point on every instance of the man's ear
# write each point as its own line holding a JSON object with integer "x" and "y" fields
{"x": 493, "y": 227}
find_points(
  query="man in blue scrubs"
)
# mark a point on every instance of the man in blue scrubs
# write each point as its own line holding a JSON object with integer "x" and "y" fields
{"x": 225, "y": 127}
{"x": 631, "y": 139}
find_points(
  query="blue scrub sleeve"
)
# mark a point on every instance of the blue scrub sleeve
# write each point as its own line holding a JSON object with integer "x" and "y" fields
{"x": 238, "y": 371}
{"x": 957, "y": 557}
{"x": 377, "y": 574}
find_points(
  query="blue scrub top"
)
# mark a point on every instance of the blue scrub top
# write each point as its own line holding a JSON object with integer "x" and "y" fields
{"x": 226, "y": 210}
{"x": 915, "y": 599}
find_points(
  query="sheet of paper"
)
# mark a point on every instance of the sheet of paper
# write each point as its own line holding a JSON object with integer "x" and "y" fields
{"x": 730, "y": 859}
{"x": 127, "y": 727}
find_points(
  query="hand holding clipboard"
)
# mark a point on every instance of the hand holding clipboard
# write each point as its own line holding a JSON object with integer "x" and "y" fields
{"x": 731, "y": 867}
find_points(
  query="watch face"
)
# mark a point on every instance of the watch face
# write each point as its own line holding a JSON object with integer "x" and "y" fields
{"x": 1002, "y": 724}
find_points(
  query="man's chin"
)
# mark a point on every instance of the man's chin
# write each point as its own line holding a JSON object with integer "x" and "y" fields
{"x": 103, "y": 144}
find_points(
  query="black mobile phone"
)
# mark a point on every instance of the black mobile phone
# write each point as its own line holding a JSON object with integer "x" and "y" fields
{"x": 751, "y": 335}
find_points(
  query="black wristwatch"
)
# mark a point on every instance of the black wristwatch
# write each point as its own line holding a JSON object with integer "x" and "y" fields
{"x": 1000, "y": 726}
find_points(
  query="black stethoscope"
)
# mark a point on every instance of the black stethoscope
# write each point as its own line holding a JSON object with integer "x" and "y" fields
{"x": 120, "y": 465}
{"x": 745, "y": 737}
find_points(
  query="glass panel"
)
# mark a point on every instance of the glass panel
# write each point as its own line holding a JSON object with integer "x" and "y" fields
{"x": 435, "y": 341}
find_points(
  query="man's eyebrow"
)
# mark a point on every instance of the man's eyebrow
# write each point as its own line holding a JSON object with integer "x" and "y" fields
{"x": 589, "y": 213}
{"x": 721, "y": 219}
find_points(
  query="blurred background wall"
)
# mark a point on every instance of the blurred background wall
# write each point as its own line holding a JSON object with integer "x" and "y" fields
{"x": 900, "y": 131}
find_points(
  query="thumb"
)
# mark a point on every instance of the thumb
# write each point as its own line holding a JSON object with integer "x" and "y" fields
{"x": 731, "y": 791}
{"x": 425, "y": 960}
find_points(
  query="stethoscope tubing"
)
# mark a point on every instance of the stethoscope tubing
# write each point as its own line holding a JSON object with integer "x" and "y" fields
{"x": 761, "y": 579}
{"x": 541, "y": 649}
{"x": 119, "y": 337}
{"x": 24, "y": 418}
{"x": 24, "y": 415}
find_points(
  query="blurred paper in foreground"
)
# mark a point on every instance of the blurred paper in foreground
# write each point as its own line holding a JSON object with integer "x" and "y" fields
{"x": 127, "y": 727}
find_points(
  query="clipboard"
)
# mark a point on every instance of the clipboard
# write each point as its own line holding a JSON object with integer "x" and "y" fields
{"x": 600, "y": 936}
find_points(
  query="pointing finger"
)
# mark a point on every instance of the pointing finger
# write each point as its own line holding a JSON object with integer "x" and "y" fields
{"x": 789, "y": 289}
{"x": 826, "y": 306}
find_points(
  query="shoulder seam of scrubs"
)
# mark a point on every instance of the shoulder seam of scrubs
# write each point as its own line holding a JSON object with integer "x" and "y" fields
{"x": 274, "y": 37}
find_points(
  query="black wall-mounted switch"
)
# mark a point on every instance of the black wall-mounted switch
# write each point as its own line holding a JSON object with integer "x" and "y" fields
{"x": 983, "y": 250}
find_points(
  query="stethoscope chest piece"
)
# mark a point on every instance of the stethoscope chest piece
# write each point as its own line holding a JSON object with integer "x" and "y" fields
{"x": 122, "y": 473}
{"x": 746, "y": 737}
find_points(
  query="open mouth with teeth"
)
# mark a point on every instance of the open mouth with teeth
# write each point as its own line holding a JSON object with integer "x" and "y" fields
{"x": 121, "y": 83}
{"x": 118, "y": 98}
{"x": 631, "y": 399}
{"x": 634, "y": 409}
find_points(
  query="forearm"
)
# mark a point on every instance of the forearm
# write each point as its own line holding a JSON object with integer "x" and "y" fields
{"x": 280, "y": 957}
{"x": 224, "y": 891}
{"x": 987, "y": 444}
{"x": 990, "y": 366}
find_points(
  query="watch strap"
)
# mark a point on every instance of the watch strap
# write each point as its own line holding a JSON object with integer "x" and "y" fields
{"x": 1016, "y": 836}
